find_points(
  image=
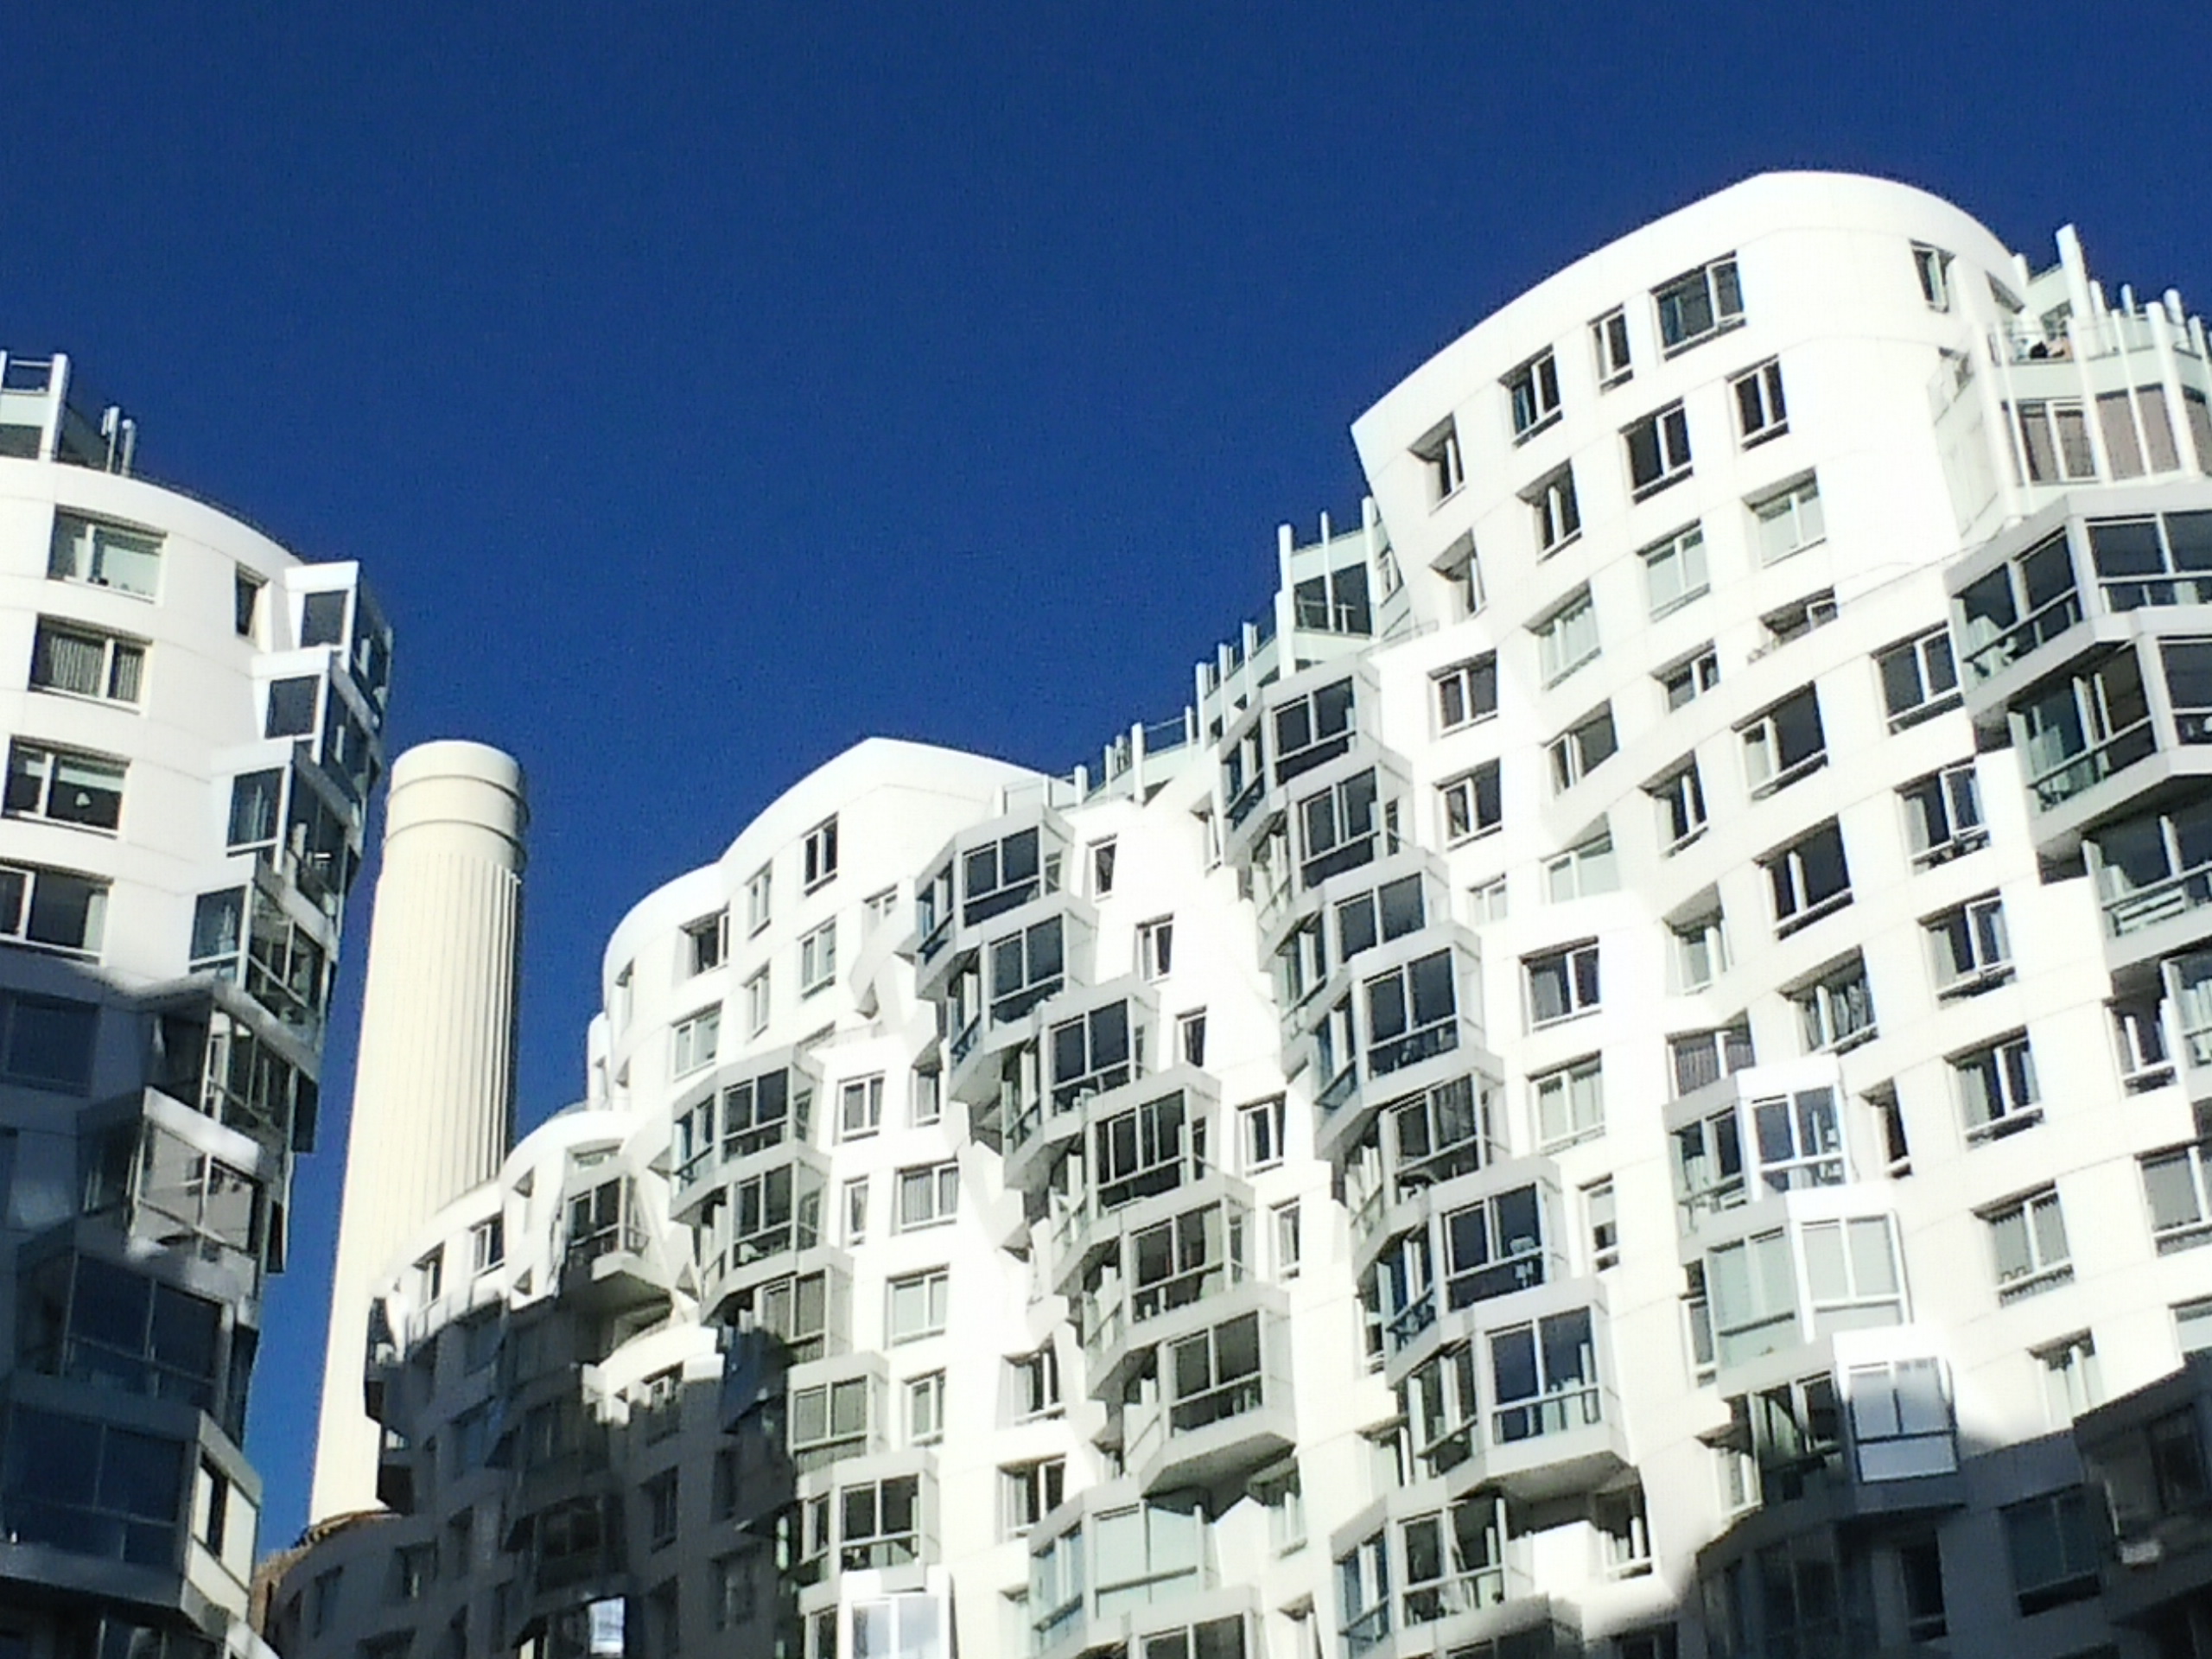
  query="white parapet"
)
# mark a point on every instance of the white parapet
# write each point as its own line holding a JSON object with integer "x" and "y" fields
{"x": 433, "y": 1104}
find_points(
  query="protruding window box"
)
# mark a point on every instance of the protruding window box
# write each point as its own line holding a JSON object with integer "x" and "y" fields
{"x": 1217, "y": 1403}
{"x": 1551, "y": 1417}
{"x": 1172, "y": 1266}
{"x": 1097, "y": 1042}
{"x": 608, "y": 1262}
{"x": 744, "y": 1110}
{"x": 1754, "y": 1135}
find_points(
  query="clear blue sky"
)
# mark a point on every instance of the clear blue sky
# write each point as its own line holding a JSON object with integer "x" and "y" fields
{"x": 705, "y": 387}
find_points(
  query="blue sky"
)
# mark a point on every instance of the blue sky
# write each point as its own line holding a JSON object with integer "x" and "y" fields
{"x": 705, "y": 386}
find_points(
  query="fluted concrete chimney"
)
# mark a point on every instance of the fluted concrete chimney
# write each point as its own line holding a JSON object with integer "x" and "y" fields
{"x": 433, "y": 1107}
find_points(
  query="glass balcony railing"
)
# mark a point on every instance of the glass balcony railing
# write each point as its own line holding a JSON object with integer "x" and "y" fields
{"x": 1988, "y": 661}
{"x": 2059, "y": 785}
{"x": 2161, "y": 901}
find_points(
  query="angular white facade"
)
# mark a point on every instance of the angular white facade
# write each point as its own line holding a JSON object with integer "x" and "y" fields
{"x": 1610, "y": 1087}
{"x": 432, "y": 1111}
{"x": 194, "y": 720}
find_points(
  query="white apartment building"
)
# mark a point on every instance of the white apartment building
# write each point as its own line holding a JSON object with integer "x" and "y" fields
{"x": 192, "y": 719}
{"x": 1611, "y": 1086}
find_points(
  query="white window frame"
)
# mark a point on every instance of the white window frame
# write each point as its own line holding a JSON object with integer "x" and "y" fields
{"x": 1699, "y": 942}
{"x": 1558, "y": 515}
{"x": 934, "y": 1286}
{"x": 860, "y": 1106}
{"x": 1706, "y": 301}
{"x": 925, "y": 1103}
{"x": 1609, "y": 345}
{"x": 1935, "y": 670}
{"x": 120, "y": 678}
{"x": 818, "y": 855}
{"x": 1786, "y": 869}
{"x": 1674, "y": 571}
{"x": 760, "y": 893}
{"x": 817, "y": 959}
{"x": 878, "y": 908}
{"x": 856, "y": 1210}
{"x": 1462, "y": 800}
{"x": 1766, "y": 768}
{"x": 1678, "y": 801}
{"x": 1466, "y": 692}
{"x": 1933, "y": 267}
{"x": 80, "y": 546}
{"x": 1579, "y": 1090}
{"x": 1762, "y": 412}
{"x": 1438, "y": 451}
{"x": 1836, "y": 1011}
{"x": 39, "y": 767}
{"x": 693, "y": 1041}
{"x": 2005, "y": 1094}
{"x": 926, "y": 1195}
{"x": 1583, "y": 871}
{"x": 1684, "y": 682}
{"x": 2180, "y": 1233}
{"x": 757, "y": 1003}
{"x": 1793, "y": 621}
{"x": 1487, "y": 901}
{"x": 1559, "y": 634}
{"x": 1575, "y": 969}
{"x": 2067, "y": 451}
{"x": 1601, "y": 1223}
{"x": 1787, "y": 520}
{"x": 1029, "y": 1492}
{"x": 1582, "y": 748}
{"x": 1098, "y": 864}
{"x": 706, "y": 943}
{"x": 922, "y": 1416}
{"x": 2048, "y": 1264}
{"x": 1662, "y": 438}
{"x": 1532, "y": 394}
{"x": 1260, "y": 1135}
{"x": 1156, "y": 948}
{"x": 1952, "y": 788}
{"x": 1977, "y": 928}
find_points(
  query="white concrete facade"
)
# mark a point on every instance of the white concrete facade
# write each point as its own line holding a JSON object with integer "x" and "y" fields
{"x": 193, "y": 717}
{"x": 1698, "y": 960}
{"x": 432, "y": 1111}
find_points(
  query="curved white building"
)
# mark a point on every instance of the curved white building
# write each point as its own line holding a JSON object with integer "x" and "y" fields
{"x": 1610, "y": 1087}
{"x": 194, "y": 720}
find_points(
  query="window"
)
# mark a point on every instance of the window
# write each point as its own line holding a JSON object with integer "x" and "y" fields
{"x": 63, "y": 786}
{"x": 1933, "y": 267}
{"x": 414, "y": 1570}
{"x": 1335, "y": 603}
{"x": 1533, "y": 389}
{"x": 1559, "y": 520}
{"x": 1259, "y": 1134}
{"x": 2174, "y": 1185}
{"x": 1967, "y": 946}
{"x": 1029, "y": 1492}
{"x": 1942, "y": 813}
{"x": 1288, "y": 1241}
{"x": 1997, "y": 1089}
{"x": 1001, "y": 874}
{"x": 928, "y": 1195}
{"x": 2028, "y": 1239}
{"x": 85, "y": 664}
{"x": 1674, "y": 570}
{"x": 1337, "y": 826}
{"x": 1190, "y": 1037}
{"x": 1440, "y": 452}
{"x": 1570, "y": 1103}
{"x": 693, "y": 1042}
{"x": 1601, "y": 1220}
{"x": 1102, "y": 867}
{"x": 2055, "y": 437}
{"x": 1795, "y": 620}
{"x": 1690, "y": 679}
{"x": 877, "y": 1522}
{"x": 487, "y": 1244}
{"x": 918, "y": 1304}
{"x": 1699, "y": 304}
{"x": 1788, "y": 521}
{"x": 756, "y": 1003}
{"x": 661, "y": 1508}
{"x": 1466, "y": 692}
{"x": 2071, "y": 1381}
{"x": 1582, "y": 748}
{"x": 1700, "y": 950}
{"x": 877, "y": 909}
{"x": 2193, "y": 1327}
{"x": 57, "y": 908}
{"x": 104, "y": 556}
{"x": 1582, "y": 871}
{"x": 1680, "y": 800}
{"x": 292, "y": 704}
{"x": 1471, "y": 803}
{"x": 1543, "y": 1377}
{"x": 2139, "y": 1034}
{"x": 1036, "y": 1379}
{"x": 1608, "y": 344}
{"x": 1214, "y": 1375}
{"x": 928, "y": 1099}
{"x": 1919, "y": 678}
{"x": 1697, "y": 1059}
{"x": 818, "y": 855}
{"x": 860, "y": 1106}
{"x": 1459, "y": 566}
{"x": 1091, "y": 1054}
{"x": 1568, "y": 638}
{"x": 2052, "y": 1546}
{"x": 92, "y": 1489}
{"x": 706, "y": 943}
{"x": 1836, "y": 1011}
{"x": 1486, "y": 902}
{"x": 1808, "y": 878}
{"x": 1410, "y": 1012}
{"x": 1156, "y": 947}
{"x": 1754, "y": 1297}
{"x": 1138, "y": 1152}
{"x": 817, "y": 959}
{"x": 759, "y": 894}
{"x": 1760, "y": 411}
{"x": 925, "y": 1409}
{"x": 1658, "y": 451}
{"x": 1851, "y": 1267}
{"x": 246, "y": 601}
{"x": 856, "y": 1211}
{"x": 1561, "y": 984}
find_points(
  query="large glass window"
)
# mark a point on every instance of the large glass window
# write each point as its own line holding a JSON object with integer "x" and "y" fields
{"x": 1699, "y": 304}
{"x": 105, "y": 556}
{"x": 68, "y": 658}
{"x": 93, "y": 1488}
{"x": 1313, "y": 730}
{"x": 1493, "y": 1248}
{"x": 1544, "y": 1377}
{"x": 64, "y": 787}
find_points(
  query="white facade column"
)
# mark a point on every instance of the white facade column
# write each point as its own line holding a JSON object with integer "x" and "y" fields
{"x": 433, "y": 1106}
